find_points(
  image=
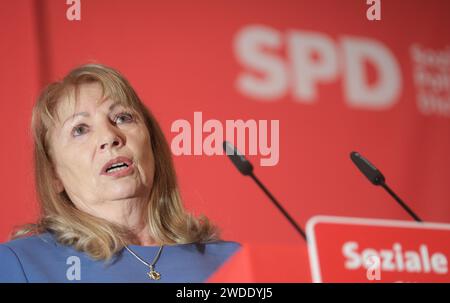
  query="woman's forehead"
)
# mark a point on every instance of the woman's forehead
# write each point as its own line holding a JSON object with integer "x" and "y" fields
{"x": 86, "y": 97}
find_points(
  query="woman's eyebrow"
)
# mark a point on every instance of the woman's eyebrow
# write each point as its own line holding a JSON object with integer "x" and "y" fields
{"x": 112, "y": 106}
{"x": 86, "y": 114}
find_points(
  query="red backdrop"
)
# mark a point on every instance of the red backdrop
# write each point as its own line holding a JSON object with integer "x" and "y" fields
{"x": 300, "y": 62}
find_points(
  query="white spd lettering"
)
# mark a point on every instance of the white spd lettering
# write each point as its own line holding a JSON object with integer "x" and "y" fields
{"x": 314, "y": 59}
{"x": 395, "y": 259}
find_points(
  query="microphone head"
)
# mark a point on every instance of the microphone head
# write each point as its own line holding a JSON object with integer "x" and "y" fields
{"x": 241, "y": 163}
{"x": 367, "y": 168}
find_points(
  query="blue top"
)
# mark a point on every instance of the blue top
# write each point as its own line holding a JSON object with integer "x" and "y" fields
{"x": 41, "y": 258}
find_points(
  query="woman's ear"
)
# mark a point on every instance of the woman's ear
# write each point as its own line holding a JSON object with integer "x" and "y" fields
{"x": 57, "y": 184}
{"x": 59, "y": 187}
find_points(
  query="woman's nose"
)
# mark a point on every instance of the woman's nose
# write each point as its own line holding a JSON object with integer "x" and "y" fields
{"x": 110, "y": 144}
{"x": 110, "y": 138}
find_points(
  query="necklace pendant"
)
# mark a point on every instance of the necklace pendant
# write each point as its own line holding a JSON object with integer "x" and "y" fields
{"x": 154, "y": 275}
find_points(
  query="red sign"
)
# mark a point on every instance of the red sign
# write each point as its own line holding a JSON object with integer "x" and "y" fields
{"x": 265, "y": 263}
{"x": 373, "y": 250}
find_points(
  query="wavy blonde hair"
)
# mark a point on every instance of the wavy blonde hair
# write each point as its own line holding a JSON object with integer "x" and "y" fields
{"x": 167, "y": 219}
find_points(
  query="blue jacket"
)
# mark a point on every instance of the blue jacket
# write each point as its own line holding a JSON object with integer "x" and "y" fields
{"x": 41, "y": 258}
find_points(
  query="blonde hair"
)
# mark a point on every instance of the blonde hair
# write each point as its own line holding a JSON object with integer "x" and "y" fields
{"x": 167, "y": 219}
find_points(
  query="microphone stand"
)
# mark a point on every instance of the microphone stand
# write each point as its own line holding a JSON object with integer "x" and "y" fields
{"x": 399, "y": 201}
{"x": 376, "y": 178}
{"x": 278, "y": 205}
{"x": 246, "y": 168}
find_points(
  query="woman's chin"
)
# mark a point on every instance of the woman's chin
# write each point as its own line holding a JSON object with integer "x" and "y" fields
{"x": 123, "y": 191}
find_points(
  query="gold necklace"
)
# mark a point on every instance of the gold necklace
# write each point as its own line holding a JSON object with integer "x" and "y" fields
{"x": 152, "y": 274}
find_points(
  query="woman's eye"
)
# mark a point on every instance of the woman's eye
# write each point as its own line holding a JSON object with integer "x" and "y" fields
{"x": 123, "y": 118}
{"x": 79, "y": 130}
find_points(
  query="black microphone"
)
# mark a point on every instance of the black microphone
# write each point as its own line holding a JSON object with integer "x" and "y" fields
{"x": 246, "y": 168}
{"x": 377, "y": 178}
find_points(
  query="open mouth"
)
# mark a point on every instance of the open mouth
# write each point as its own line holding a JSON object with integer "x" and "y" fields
{"x": 119, "y": 169}
{"x": 116, "y": 167}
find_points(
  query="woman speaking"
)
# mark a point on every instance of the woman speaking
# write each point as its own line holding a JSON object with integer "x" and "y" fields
{"x": 106, "y": 185}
